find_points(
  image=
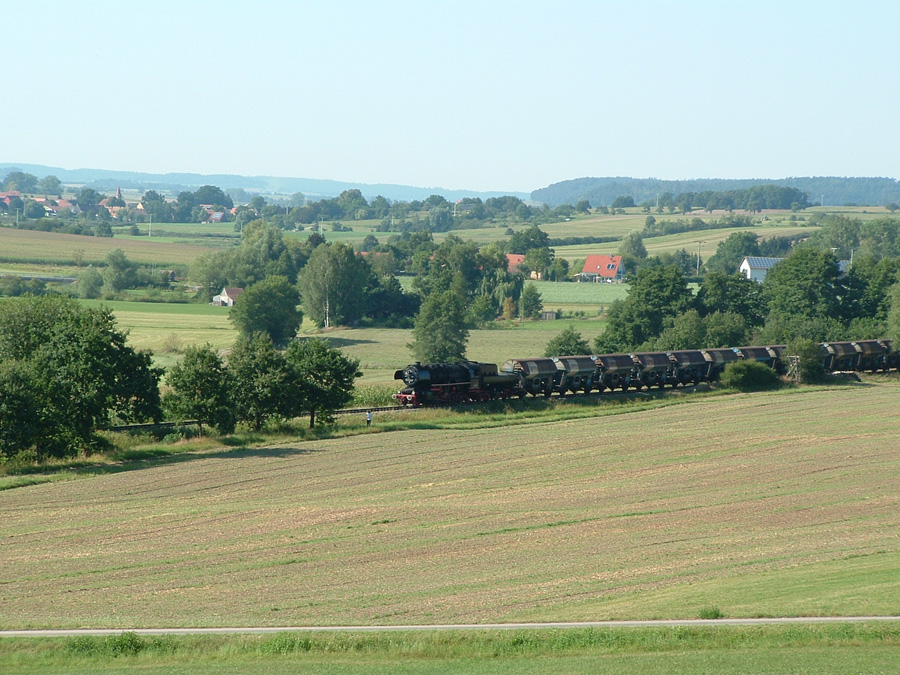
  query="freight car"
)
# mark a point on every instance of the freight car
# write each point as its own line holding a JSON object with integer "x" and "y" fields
{"x": 437, "y": 383}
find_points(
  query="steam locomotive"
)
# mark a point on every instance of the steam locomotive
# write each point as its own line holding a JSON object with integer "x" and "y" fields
{"x": 470, "y": 381}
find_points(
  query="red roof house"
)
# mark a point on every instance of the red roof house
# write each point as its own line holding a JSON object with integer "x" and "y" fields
{"x": 513, "y": 260}
{"x": 603, "y": 268}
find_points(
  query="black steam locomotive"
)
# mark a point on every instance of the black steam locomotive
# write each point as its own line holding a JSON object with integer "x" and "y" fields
{"x": 469, "y": 381}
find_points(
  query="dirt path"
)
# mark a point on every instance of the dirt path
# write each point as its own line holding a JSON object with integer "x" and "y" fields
{"x": 460, "y": 626}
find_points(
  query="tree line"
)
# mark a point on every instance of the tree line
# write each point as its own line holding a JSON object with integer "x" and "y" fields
{"x": 66, "y": 373}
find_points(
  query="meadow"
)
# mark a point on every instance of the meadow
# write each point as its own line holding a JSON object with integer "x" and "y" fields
{"x": 781, "y": 504}
{"x": 857, "y": 648}
{"x": 167, "y": 328}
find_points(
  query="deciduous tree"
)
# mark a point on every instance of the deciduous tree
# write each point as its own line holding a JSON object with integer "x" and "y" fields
{"x": 270, "y": 307}
{"x": 80, "y": 369}
{"x": 568, "y": 343}
{"x": 805, "y": 283}
{"x": 334, "y": 284}
{"x": 656, "y": 293}
{"x": 531, "y": 303}
{"x": 323, "y": 375}
{"x": 731, "y": 252}
{"x": 263, "y": 387}
{"x": 200, "y": 389}
{"x": 440, "y": 332}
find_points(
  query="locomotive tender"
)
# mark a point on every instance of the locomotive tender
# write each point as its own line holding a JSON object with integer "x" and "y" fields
{"x": 468, "y": 381}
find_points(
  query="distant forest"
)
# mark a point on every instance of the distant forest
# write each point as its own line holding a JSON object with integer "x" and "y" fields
{"x": 837, "y": 191}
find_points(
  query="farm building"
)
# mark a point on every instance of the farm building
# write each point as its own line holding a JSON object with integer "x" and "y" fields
{"x": 227, "y": 297}
{"x": 757, "y": 268}
{"x": 599, "y": 268}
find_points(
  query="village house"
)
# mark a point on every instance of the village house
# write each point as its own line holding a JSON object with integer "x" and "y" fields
{"x": 513, "y": 260}
{"x": 600, "y": 268}
{"x": 757, "y": 268}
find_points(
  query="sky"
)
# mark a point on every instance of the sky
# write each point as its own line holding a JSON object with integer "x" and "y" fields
{"x": 502, "y": 95}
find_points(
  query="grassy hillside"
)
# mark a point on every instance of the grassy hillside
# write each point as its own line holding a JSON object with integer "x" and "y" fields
{"x": 778, "y": 504}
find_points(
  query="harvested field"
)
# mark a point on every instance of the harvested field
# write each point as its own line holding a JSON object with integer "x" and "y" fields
{"x": 777, "y": 504}
{"x": 56, "y": 248}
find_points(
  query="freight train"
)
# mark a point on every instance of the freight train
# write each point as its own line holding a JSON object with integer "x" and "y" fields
{"x": 470, "y": 381}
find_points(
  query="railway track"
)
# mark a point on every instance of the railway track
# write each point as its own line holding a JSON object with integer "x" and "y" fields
{"x": 155, "y": 426}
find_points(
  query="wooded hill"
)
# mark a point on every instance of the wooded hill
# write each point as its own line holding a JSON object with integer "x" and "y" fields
{"x": 604, "y": 191}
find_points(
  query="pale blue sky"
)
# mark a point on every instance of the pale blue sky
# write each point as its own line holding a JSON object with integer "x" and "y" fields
{"x": 474, "y": 95}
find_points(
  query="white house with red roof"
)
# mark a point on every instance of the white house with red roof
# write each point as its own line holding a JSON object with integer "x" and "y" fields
{"x": 606, "y": 268}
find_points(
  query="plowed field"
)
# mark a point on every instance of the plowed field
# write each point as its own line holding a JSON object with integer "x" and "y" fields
{"x": 779, "y": 504}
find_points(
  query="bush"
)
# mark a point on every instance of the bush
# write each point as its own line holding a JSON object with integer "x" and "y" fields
{"x": 750, "y": 376}
{"x": 125, "y": 644}
{"x": 811, "y": 366}
{"x": 711, "y": 613}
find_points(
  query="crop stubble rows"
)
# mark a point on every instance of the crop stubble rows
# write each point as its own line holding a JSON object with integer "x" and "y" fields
{"x": 577, "y": 520}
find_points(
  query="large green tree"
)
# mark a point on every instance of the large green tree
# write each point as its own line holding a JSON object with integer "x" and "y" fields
{"x": 530, "y": 303}
{"x": 80, "y": 370}
{"x": 720, "y": 292}
{"x": 807, "y": 283}
{"x": 263, "y": 386}
{"x": 21, "y": 181}
{"x": 270, "y": 307}
{"x": 323, "y": 375}
{"x": 119, "y": 272}
{"x": 200, "y": 389}
{"x": 440, "y": 333}
{"x": 525, "y": 240}
{"x": 213, "y": 195}
{"x": 334, "y": 284}
{"x": 655, "y": 293}
{"x": 730, "y": 252}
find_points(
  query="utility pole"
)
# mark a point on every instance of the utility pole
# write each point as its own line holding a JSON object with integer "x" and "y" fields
{"x": 150, "y": 231}
{"x": 698, "y": 256}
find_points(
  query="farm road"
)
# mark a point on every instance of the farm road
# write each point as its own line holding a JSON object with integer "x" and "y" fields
{"x": 459, "y": 626}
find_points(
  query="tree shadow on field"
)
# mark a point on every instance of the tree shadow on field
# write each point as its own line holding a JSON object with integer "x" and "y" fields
{"x": 346, "y": 342}
{"x": 139, "y": 460}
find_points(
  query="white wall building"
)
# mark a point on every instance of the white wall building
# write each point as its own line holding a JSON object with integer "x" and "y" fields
{"x": 757, "y": 268}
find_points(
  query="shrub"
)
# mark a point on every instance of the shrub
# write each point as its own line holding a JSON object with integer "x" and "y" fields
{"x": 124, "y": 644}
{"x": 750, "y": 376}
{"x": 286, "y": 643}
{"x": 711, "y": 613}
{"x": 811, "y": 367}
